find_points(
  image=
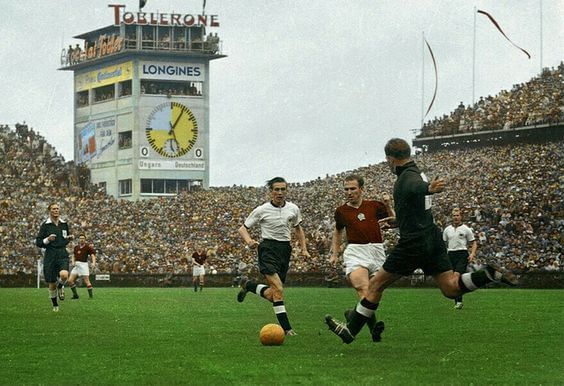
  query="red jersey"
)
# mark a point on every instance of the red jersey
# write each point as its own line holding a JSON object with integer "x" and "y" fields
{"x": 82, "y": 253}
{"x": 361, "y": 223}
{"x": 200, "y": 258}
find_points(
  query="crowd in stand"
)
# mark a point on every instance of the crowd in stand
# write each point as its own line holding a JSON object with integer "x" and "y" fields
{"x": 511, "y": 196}
{"x": 538, "y": 101}
{"x": 31, "y": 170}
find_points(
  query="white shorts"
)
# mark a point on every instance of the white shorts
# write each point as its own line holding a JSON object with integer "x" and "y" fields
{"x": 198, "y": 270}
{"x": 370, "y": 256}
{"x": 81, "y": 269}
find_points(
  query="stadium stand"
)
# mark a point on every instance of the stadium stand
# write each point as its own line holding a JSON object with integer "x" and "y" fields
{"x": 538, "y": 101}
{"x": 511, "y": 195}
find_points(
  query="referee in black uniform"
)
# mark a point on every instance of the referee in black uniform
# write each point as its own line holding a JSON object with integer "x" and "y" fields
{"x": 54, "y": 236}
{"x": 420, "y": 244}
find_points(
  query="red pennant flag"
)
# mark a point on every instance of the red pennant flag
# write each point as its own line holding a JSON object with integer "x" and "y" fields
{"x": 500, "y": 30}
{"x": 436, "y": 77}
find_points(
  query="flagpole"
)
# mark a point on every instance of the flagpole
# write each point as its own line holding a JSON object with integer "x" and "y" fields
{"x": 474, "y": 62}
{"x": 422, "y": 77}
{"x": 540, "y": 50}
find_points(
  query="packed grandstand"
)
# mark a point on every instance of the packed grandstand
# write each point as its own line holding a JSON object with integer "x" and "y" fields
{"x": 511, "y": 195}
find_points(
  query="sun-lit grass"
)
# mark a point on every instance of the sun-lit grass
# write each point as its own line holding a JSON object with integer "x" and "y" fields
{"x": 154, "y": 336}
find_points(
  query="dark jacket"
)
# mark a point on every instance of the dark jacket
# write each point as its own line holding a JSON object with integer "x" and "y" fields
{"x": 412, "y": 201}
{"x": 56, "y": 248}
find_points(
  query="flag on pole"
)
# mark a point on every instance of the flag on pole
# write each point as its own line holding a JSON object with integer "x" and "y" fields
{"x": 496, "y": 24}
{"x": 142, "y": 4}
{"x": 436, "y": 77}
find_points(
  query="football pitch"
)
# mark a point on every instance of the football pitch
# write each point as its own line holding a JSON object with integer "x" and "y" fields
{"x": 170, "y": 336}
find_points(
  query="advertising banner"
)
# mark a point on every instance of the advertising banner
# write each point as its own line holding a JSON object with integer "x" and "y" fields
{"x": 162, "y": 164}
{"x": 104, "y": 76}
{"x": 171, "y": 71}
{"x": 87, "y": 142}
{"x": 97, "y": 141}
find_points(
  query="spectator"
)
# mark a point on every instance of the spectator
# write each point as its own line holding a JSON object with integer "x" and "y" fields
{"x": 527, "y": 238}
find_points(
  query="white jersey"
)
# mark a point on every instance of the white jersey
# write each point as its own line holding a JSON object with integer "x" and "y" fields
{"x": 457, "y": 239}
{"x": 276, "y": 223}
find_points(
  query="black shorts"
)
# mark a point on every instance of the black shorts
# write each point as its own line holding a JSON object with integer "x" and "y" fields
{"x": 458, "y": 260}
{"x": 274, "y": 257}
{"x": 52, "y": 266}
{"x": 427, "y": 252}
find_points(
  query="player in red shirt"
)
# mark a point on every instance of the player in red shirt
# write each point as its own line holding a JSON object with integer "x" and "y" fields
{"x": 198, "y": 271}
{"x": 364, "y": 253}
{"x": 79, "y": 262}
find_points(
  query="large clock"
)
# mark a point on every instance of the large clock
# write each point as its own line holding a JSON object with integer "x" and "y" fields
{"x": 172, "y": 129}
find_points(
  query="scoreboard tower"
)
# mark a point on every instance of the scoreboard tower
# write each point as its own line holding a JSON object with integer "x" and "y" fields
{"x": 141, "y": 106}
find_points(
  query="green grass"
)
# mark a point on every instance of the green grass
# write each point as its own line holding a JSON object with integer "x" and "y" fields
{"x": 153, "y": 336}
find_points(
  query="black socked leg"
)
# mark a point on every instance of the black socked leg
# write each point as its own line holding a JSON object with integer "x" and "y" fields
{"x": 281, "y": 315}
{"x": 358, "y": 320}
{"x": 251, "y": 286}
{"x": 371, "y": 322}
{"x": 468, "y": 282}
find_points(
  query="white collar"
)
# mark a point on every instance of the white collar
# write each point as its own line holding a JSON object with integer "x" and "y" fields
{"x": 49, "y": 221}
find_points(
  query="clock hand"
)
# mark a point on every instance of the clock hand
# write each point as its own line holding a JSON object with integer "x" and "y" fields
{"x": 173, "y": 135}
{"x": 177, "y": 119}
{"x": 172, "y": 141}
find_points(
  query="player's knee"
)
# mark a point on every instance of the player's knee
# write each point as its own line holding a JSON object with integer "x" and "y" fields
{"x": 450, "y": 291}
{"x": 362, "y": 291}
{"x": 376, "y": 287}
{"x": 64, "y": 274}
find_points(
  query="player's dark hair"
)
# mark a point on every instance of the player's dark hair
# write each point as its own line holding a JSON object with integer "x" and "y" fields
{"x": 397, "y": 148}
{"x": 274, "y": 180}
{"x": 357, "y": 178}
{"x": 82, "y": 234}
{"x": 51, "y": 204}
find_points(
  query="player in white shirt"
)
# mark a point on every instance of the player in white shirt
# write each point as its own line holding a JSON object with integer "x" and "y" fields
{"x": 458, "y": 236}
{"x": 277, "y": 219}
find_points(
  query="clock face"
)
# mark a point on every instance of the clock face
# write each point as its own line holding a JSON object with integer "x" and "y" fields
{"x": 172, "y": 129}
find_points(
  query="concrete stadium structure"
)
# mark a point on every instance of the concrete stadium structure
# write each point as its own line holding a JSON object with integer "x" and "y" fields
{"x": 141, "y": 109}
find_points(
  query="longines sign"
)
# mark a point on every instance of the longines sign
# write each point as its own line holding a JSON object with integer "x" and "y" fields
{"x": 150, "y": 18}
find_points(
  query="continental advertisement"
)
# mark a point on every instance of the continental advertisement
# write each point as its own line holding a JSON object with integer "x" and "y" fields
{"x": 104, "y": 76}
